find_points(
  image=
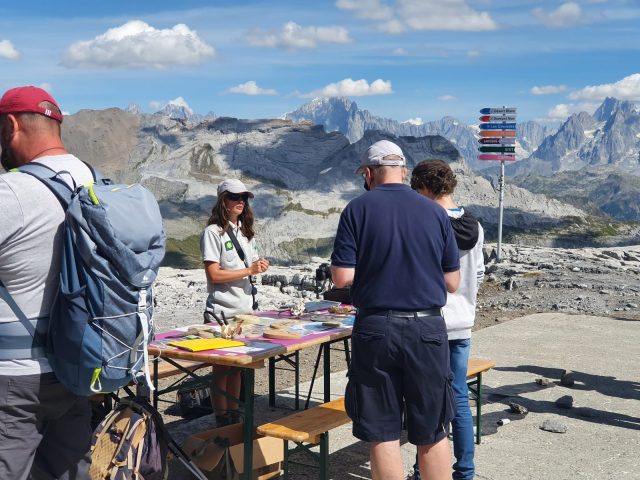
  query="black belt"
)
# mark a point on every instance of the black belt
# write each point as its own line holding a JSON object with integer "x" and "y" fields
{"x": 430, "y": 312}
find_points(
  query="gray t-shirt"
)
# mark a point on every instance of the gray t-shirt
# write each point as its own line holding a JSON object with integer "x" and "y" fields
{"x": 30, "y": 236}
{"x": 232, "y": 298}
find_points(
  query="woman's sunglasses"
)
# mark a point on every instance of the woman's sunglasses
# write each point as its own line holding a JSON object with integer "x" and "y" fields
{"x": 236, "y": 197}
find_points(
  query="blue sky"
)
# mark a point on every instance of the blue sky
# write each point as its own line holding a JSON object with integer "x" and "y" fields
{"x": 402, "y": 59}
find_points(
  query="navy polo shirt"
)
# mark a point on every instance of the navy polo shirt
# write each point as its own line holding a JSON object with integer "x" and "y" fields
{"x": 399, "y": 243}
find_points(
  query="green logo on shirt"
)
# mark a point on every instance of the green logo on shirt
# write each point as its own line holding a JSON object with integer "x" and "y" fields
{"x": 228, "y": 245}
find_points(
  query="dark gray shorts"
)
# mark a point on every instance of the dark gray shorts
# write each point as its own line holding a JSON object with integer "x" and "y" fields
{"x": 396, "y": 362}
{"x": 44, "y": 429}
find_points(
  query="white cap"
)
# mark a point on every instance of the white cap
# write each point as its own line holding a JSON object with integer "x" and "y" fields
{"x": 376, "y": 153}
{"x": 232, "y": 185}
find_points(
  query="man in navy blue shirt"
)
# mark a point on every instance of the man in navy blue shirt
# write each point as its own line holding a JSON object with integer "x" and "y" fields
{"x": 398, "y": 252}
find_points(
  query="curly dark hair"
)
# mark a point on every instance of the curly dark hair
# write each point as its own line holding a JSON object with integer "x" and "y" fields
{"x": 220, "y": 216}
{"x": 435, "y": 175}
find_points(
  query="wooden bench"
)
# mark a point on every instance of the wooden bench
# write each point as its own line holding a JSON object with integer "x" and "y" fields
{"x": 308, "y": 428}
{"x": 475, "y": 368}
{"x": 311, "y": 427}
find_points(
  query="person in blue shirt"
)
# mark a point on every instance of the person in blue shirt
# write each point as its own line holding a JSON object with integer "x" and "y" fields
{"x": 398, "y": 251}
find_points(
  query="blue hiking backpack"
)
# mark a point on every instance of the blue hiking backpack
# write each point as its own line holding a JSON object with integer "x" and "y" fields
{"x": 101, "y": 320}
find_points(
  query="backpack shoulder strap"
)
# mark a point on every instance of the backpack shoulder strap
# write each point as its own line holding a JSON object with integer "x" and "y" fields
{"x": 52, "y": 180}
{"x": 97, "y": 176}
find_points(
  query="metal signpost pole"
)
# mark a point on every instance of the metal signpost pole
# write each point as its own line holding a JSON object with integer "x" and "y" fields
{"x": 497, "y": 132}
{"x": 501, "y": 185}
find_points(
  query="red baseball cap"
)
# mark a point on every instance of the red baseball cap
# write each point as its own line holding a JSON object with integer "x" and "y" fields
{"x": 28, "y": 100}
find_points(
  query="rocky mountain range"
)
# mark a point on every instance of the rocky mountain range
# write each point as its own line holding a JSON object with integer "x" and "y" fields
{"x": 592, "y": 161}
{"x": 611, "y": 136}
{"x": 343, "y": 115}
{"x": 301, "y": 175}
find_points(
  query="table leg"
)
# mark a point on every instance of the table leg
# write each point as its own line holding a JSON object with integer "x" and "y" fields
{"x": 479, "y": 409}
{"x": 155, "y": 382}
{"x": 272, "y": 382}
{"x": 247, "y": 401}
{"x": 313, "y": 377}
{"x": 327, "y": 371}
{"x": 297, "y": 377}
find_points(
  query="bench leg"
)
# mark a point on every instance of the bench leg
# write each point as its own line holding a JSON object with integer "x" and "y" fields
{"x": 286, "y": 460}
{"x": 324, "y": 456}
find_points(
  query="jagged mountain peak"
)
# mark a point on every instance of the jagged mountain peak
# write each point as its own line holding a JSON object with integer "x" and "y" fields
{"x": 611, "y": 105}
{"x": 343, "y": 115}
{"x": 610, "y": 137}
{"x": 134, "y": 108}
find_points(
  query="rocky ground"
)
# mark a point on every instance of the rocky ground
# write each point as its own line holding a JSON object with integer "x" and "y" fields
{"x": 597, "y": 281}
{"x": 602, "y": 282}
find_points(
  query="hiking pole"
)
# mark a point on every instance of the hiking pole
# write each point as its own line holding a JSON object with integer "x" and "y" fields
{"x": 183, "y": 457}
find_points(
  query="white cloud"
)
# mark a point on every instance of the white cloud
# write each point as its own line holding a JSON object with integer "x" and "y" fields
{"x": 156, "y": 104}
{"x": 8, "y": 51}
{"x": 399, "y": 52}
{"x": 251, "y": 88}
{"x": 566, "y": 15}
{"x": 626, "y": 89}
{"x": 367, "y": 9}
{"x": 548, "y": 89}
{"x": 139, "y": 45}
{"x": 46, "y": 87}
{"x": 353, "y": 88}
{"x": 392, "y": 26}
{"x": 447, "y": 98}
{"x": 453, "y": 15}
{"x": 473, "y": 54}
{"x": 414, "y": 121}
{"x": 563, "y": 110}
{"x": 293, "y": 36}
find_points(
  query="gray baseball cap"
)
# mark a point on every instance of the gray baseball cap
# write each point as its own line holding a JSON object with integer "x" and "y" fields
{"x": 376, "y": 153}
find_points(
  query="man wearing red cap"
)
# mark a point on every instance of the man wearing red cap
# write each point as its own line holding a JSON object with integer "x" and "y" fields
{"x": 45, "y": 429}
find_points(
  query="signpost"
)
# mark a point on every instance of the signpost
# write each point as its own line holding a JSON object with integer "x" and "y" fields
{"x": 495, "y": 156}
{"x": 498, "y": 126}
{"x": 498, "y": 118}
{"x": 494, "y": 130}
{"x": 497, "y": 141}
{"x": 500, "y": 149}
{"x": 498, "y": 133}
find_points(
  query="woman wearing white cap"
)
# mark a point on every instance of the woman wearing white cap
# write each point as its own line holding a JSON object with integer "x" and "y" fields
{"x": 230, "y": 260}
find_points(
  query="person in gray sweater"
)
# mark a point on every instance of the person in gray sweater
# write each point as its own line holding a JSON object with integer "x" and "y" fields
{"x": 435, "y": 180}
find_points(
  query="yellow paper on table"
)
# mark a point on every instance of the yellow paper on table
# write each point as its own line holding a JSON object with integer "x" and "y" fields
{"x": 200, "y": 344}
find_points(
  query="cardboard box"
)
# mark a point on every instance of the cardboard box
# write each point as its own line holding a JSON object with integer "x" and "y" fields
{"x": 219, "y": 453}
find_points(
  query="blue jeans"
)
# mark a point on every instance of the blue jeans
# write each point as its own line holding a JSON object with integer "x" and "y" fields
{"x": 462, "y": 423}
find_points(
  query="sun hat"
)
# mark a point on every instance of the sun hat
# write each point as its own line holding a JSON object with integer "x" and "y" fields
{"x": 28, "y": 100}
